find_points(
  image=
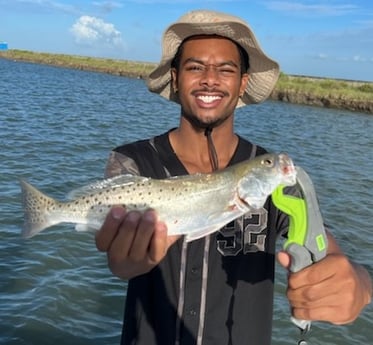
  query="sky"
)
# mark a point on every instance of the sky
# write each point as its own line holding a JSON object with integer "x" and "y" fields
{"x": 320, "y": 38}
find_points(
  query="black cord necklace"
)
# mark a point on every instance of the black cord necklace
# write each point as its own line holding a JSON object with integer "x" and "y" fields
{"x": 212, "y": 150}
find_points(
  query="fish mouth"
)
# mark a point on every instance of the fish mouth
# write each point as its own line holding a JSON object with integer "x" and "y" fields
{"x": 287, "y": 169}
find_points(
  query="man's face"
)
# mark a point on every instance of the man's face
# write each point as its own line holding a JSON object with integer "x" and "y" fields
{"x": 209, "y": 80}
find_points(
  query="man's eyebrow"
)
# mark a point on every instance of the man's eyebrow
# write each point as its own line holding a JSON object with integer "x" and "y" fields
{"x": 223, "y": 63}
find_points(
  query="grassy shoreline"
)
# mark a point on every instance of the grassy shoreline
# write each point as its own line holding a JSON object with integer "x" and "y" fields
{"x": 331, "y": 93}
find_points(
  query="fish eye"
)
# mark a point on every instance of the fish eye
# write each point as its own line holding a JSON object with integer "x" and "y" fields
{"x": 267, "y": 162}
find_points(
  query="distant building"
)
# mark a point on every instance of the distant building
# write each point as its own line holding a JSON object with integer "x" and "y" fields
{"x": 3, "y": 46}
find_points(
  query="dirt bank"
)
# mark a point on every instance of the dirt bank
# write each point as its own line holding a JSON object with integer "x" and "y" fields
{"x": 298, "y": 97}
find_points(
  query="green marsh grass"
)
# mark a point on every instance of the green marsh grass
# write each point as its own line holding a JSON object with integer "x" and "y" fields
{"x": 334, "y": 93}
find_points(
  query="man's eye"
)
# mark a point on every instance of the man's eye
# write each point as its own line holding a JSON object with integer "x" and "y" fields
{"x": 226, "y": 70}
{"x": 196, "y": 68}
{"x": 220, "y": 70}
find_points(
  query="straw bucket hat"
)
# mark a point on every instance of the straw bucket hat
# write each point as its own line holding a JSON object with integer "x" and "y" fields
{"x": 263, "y": 71}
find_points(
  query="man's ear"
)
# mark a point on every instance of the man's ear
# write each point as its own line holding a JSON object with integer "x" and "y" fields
{"x": 174, "y": 79}
{"x": 244, "y": 79}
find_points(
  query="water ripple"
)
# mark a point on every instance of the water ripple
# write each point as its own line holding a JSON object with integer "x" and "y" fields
{"x": 57, "y": 127}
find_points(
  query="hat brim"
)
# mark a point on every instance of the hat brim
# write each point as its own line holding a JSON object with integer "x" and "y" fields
{"x": 263, "y": 71}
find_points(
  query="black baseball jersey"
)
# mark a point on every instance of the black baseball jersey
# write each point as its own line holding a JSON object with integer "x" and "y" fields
{"x": 217, "y": 290}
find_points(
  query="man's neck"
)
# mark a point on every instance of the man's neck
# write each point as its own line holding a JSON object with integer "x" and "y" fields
{"x": 192, "y": 148}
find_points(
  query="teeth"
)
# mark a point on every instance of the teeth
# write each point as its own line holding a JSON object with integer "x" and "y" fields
{"x": 208, "y": 99}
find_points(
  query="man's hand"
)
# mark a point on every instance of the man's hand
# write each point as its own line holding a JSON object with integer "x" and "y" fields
{"x": 333, "y": 289}
{"x": 135, "y": 242}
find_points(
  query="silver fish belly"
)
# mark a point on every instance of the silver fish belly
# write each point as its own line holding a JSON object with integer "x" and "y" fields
{"x": 192, "y": 205}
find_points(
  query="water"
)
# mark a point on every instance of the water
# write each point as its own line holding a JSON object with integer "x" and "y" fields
{"x": 56, "y": 129}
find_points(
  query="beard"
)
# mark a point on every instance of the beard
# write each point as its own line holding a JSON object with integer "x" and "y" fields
{"x": 202, "y": 124}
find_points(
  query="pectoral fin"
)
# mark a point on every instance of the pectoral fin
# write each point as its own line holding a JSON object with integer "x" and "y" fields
{"x": 202, "y": 232}
{"x": 213, "y": 223}
{"x": 86, "y": 227}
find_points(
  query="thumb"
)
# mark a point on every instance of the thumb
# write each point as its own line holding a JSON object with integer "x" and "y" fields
{"x": 284, "y": 259}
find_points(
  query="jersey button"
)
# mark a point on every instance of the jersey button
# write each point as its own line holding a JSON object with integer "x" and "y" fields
{"x": 192, "y": 312}
{"x": 195, "y": 270}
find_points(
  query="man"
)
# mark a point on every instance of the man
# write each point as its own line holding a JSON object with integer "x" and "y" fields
{"x": 218, "y": 289}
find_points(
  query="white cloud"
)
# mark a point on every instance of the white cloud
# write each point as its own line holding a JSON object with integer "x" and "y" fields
{"x": 94, "y": 31}
{"x": 350, "y": 59}
{"x": 322, "y": 56}
{"x": 358, "y": 58}
{"x": 107, "y": 6}
{"x": 43, "y": 6}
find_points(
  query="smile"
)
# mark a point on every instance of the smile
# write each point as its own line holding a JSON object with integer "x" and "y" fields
{"x": 209, "y": 99}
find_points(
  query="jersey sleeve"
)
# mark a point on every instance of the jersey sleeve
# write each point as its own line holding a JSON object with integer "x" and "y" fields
{"x": 118, "y": 164}
{"x": 136, "y": 158}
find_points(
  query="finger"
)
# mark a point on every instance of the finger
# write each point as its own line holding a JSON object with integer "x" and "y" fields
{"x": 337, "y": 316}
{"x": 144, "y": 233}
{"x": 316, "y": 273}
{"x": 284, "y": 259}
{"x": 159, "y": 244}
{"x": 314, "y": 296}
{"x": 315, "y": 314}
{"x": 109, "y": 229}
{"x": 122, "y": 245}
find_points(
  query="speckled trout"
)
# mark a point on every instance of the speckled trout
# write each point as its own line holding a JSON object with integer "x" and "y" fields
{"x": 192, "y": 205}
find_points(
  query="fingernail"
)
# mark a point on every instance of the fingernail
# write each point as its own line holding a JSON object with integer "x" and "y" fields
{"x": 117, "y": 213}
{"x": 150, "y": 216}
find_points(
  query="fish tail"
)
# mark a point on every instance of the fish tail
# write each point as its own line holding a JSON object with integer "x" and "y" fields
{"x": 36, "y": 206}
